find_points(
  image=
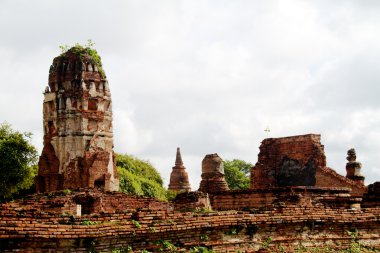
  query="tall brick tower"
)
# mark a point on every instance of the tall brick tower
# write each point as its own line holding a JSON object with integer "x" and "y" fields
{"x": 77, "y": 123}
{"x": 179, "y": 179}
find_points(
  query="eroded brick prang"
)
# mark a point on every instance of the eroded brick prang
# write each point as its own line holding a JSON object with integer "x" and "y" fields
{"x": 77, "y": 124}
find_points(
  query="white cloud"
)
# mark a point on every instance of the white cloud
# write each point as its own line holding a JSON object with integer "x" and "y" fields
{"x": 208, "y": 76}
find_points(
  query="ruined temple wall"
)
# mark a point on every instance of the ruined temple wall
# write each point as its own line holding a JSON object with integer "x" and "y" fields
{"x": 285, "y": 196}
{"x": 297, "y": 161}
{"x": 327, "y": 177}
{"x": 118, "y": 203}
{"x": 372, "y": 197}
{"x": 300, "y": 148}
{"x": 242, "y": 200}
{"x": 192, "y": 201}
{"x": 310, "y": 216}
{"x": 221, "y": 231}
{"x": 286, "y": 236}
{"x": 94, "y": 201}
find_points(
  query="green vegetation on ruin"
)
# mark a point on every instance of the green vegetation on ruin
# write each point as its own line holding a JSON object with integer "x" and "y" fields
{"x": 84, "y": 52}
{"x": 354, "y": 247}
{"x": 89, "y": 222}
{"x": 164, "y": 246}
{"x": 136, "y": 223}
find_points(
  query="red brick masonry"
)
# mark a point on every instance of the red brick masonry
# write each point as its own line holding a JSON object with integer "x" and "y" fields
{"x": 297, "y": 161}
{"x": 37, "y": 224}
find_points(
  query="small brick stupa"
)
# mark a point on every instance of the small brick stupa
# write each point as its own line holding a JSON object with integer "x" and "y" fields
{"x": 77, "y": 124}
{"x": 353, "y": 167}
{"x": 213, "y": 179}
{"x": 179, "y": 179}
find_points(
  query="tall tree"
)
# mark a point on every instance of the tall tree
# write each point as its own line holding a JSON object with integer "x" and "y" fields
{"x": 237, "y": 173}
{"x": 17, "y": 161}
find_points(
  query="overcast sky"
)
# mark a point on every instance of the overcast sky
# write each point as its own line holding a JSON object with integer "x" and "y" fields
{"x": 208, "y": 76}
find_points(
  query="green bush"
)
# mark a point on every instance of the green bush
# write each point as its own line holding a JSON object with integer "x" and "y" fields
{"x": 129, "y": 182}
{"x": 139, "y": 177}
{"x": 138, "y": 167}
{"x": 237, "y": 174}
{"x": 152, "y": 189}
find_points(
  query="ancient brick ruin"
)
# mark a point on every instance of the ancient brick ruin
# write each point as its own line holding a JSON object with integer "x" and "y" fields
{"x": 213, "y": 179}
{"x": 293, "y": 211}
{"x": 353, "y": 167}
{"x": 77, "y": 123}
{"x": 290, "y": 161}
{"x": 294, "y": 200}
{"x": 289, "y": 216}
{"x": 300, "y": 161}
{"x": 179, "y": 179}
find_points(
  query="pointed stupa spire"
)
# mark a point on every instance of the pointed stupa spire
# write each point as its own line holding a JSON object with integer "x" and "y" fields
{"x": 178, "y": 158}
{"x": 179, "y": 179}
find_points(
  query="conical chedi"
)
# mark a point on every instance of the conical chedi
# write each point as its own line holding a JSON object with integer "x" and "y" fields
{"x": 179, "y": 179}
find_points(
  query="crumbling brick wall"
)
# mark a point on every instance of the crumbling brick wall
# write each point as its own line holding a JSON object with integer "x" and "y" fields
{"x": 92, "y": 201}
{"x": 327, "y": 177}
{"x": 372, "y": 197}
{"x": 279, "y": 197}
{"x": 192, "y": 201}
{"x": 228, "y": 231}
{"x": 297, "y": 161}
{"x": 288, "y": 161}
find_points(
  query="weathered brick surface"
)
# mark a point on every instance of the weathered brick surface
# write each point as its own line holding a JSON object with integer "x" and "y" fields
{"x": 372, "y": 198}
{"x": 77, "y": 123}
{"x": 179, "y": 179}
{"x": 353, "y": 168}
{"x": 291, "y": 159}
{"x": 213, "y": 179}
{"x": 36, "y": 225}
{"x": 192, "y": 201}
{"x": 93, "y": 201}
{"x": 327, "y": 177}
{"x": 223, "y": 231}
{"x": 297, "y": 161}
{"x": 260, "y": 199}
